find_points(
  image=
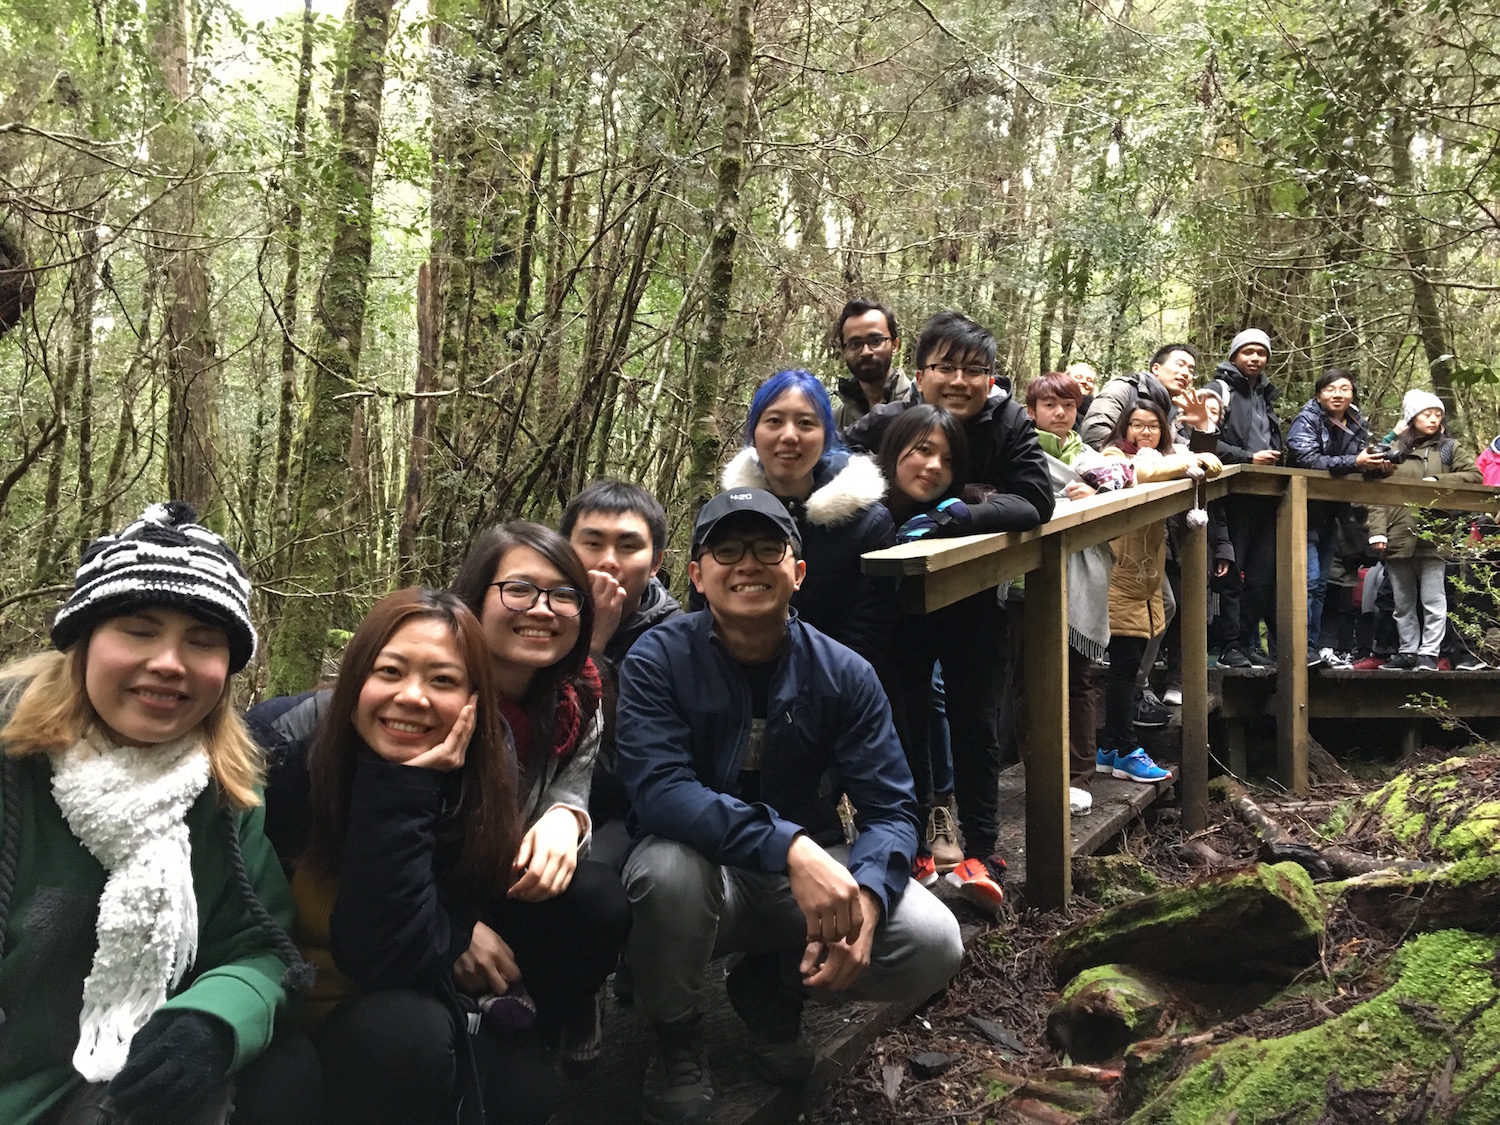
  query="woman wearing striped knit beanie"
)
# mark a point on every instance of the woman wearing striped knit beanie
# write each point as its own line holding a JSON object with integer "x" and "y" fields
{"x": 142, "y": 911}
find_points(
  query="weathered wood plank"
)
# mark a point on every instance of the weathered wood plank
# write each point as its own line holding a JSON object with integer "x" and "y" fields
{"x": 1193, "y": 607}
{"x": 1049, "y": 873}
{"x": 1291, "y": 635}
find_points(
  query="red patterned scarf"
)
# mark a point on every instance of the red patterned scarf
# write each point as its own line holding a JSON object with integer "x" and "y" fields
{"x": 575, "y": 707}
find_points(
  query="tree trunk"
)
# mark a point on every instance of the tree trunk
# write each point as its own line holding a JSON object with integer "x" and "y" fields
{"x": 83, "y": 348}
{"x": 286, "y": 415}
{"x": 704, "y": 439}
{"x": 192, "y": 367}
{"x": 429, "y": 352}
{"x": 321, "y": 545}
{"x": 1418, "y": 265}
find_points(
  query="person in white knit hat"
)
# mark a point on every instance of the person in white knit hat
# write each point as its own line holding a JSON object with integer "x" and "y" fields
{"x": 1424, "y": 452}
{"x": 1250, "y": 434}
{"x": 142, "y": 911}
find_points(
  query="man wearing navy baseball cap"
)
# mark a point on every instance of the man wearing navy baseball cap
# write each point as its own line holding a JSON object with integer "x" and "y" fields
{"x": 738, "y": 729}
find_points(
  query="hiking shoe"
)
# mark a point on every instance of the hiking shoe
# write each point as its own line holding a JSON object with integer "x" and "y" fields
{"x": 942, "y": 836}
{"x": 978, "y": 880}
{"x": 1138, "y": 766}
{"x": 1104, "y": 762}
{"x": 581, "y": 1041}
{"x": 1172, "y": 696}
{"x": 1401, "y": 662}
{"x": 1471, "y": 664}
{"x": 772, "y": 1011}
{"x": 1259, "y": 659}
{"x": 1080, "y": 801}
{"x": 1427, "y": 664}
{"x": 924, "y": 871}
{"x": 1149, "y": 712}
{"x": 679, "y": 1087}
{"x": 1333, "y": 659}
{"x": 1368, "y": 663}
{"x": 1234, "y": 657}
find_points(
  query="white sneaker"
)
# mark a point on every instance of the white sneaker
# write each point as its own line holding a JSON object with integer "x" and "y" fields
{"x": 1080, "y": 801}
{"x": 1332, "y": 659}
{"x": 1172, "y": 697}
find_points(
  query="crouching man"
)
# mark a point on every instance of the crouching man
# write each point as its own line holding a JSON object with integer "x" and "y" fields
{"x": 739, "y": 727}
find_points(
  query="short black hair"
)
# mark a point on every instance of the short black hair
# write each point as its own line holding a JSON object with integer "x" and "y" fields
{"x": 965, "y": 338}
{"x": 912, "y": 425}
{"x": 1333, "y": 375}
{"x": 1161, "y": 353}
{"x": 616, "y": 497}
{"x": 858, "y": 307}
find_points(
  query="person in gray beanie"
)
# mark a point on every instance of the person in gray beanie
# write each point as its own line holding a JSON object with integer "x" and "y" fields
{"x": 1250, "y": 434}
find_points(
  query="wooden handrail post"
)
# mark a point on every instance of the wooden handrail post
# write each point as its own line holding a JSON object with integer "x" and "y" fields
{"x": 1049, "y": 867}
{"x": 1193, "y": 608}
{"x": 1291, "y": 635}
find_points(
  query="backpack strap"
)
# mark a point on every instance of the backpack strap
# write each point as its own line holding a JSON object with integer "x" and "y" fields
{"x": 8, "y": 842}
{"x": 1445, "y": 453}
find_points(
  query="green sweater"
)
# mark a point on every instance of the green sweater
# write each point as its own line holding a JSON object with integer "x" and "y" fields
{"x": 50, "y": 940}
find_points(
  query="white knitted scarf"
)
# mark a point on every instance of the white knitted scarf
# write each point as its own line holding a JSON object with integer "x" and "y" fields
{"x": 128, "y": 805}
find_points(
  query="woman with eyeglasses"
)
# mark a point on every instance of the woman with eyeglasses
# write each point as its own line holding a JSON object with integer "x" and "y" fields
{"x": 793, "y": 451}
{"x": 1136, "y": 609}
{"x": 565, "y": 920}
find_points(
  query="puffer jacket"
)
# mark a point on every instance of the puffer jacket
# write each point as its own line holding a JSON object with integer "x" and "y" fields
{"x": 1136, "y": 608}
{"x": 1314, "y": 442}
{"x": 1116, "y": 396}
{"x": 843, "y": 518}
{"x": 1438, "y": 456}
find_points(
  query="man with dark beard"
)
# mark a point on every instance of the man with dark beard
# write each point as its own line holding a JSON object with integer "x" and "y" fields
{"x": 868, "y": 339}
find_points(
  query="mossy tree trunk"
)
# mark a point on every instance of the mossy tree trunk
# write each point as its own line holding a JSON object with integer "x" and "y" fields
{"x": 322, "y": 535}
{"x": 704, "y": 439}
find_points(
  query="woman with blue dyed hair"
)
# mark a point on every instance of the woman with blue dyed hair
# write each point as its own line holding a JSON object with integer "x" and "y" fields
{"x": 792, "y": 449}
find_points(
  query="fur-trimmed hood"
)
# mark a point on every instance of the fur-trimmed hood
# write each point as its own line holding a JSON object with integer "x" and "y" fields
{"x": 845, "y": 485}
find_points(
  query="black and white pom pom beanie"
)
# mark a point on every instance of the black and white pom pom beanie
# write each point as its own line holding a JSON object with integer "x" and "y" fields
{"x": 164, "y": 559}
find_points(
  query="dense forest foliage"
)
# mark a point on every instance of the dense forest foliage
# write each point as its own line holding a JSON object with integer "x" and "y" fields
{"x": 358, "y": 285}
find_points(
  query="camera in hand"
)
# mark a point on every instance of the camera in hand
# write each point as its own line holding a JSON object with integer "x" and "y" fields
{"x": 1387, "y": 451}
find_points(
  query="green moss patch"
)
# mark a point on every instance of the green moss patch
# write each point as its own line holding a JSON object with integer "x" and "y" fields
{"x": 1447, "y": 810}
{"x": 1394, "y": 1042}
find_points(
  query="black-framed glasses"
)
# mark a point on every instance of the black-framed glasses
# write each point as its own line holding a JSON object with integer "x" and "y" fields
{"x": 565, "y": 601}
{"x": 953, "y": 370}
{"x": 767, "y": 552}
{"x": 874, "y": 341}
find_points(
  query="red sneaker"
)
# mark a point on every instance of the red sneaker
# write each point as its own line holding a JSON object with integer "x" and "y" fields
{"x": 1368, "y": 664}
{"x": 924, "y": 871}
{"x": 1444, "y": 664}
{"x": 979, "y": 883}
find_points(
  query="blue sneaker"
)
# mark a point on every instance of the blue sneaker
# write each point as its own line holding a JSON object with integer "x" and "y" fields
{"x": 1104, "y": 762}
{"x": 1137, "y": 766}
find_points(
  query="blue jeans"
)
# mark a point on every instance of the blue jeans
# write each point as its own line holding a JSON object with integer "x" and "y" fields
{"x": 939, "y": 743}
{"x": 1322, "y": 541}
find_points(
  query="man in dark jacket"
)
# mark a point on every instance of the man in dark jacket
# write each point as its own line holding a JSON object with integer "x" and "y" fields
{"x": 1169, "y": 376}
{"x": 739, "y": 728}
{"x": 1250, "y": 435}
{"x": 955, "y": 361}
{"x": 868, "y": 341}
{"x": 620, "y": 533}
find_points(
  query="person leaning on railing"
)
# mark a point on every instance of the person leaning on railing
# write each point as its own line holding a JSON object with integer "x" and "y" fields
{"x": 1329, "y": 433}
{"x": 1425, "y": 452}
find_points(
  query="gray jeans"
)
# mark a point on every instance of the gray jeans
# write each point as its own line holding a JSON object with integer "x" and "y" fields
{"x": 1421, "y": 604}
{"x": 687, "y": 910}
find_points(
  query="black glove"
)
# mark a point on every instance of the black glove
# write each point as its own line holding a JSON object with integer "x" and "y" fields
{"x": 173, "y": 1061}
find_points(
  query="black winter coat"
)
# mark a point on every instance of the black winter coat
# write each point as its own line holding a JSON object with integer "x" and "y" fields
{"x": 1003, "y": 453}
{"x": 843, "y": 518}
{"x": 1235, "y": 446}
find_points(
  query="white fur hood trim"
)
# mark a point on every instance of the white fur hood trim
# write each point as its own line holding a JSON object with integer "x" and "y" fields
{"x": 854, "y": 488}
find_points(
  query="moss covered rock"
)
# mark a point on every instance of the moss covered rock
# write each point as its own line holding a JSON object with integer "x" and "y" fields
{"x": 1112, "y": 879}
{"x": 1388, "y": 1048}
{"x": 1259, "y": 923}
{"x": 1104, "y": 1009}
{"x": 1448, "y": 810}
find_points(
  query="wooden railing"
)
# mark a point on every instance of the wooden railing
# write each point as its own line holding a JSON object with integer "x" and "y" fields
{"x": 935, "y": 573}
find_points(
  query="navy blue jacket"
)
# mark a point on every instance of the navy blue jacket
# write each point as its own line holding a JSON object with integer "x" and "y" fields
{"x": 684, "y": 717}
{"x": 1313, "y": 442}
